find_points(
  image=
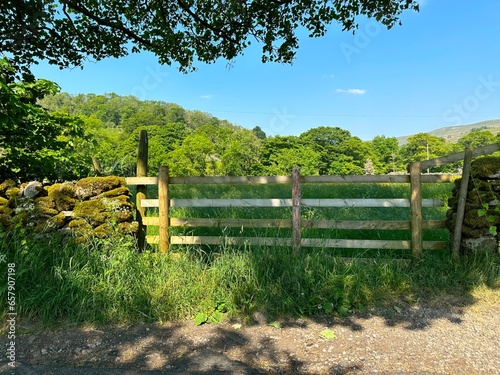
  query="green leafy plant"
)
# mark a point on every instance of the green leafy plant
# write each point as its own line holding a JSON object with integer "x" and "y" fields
{"x": 36, "y": 144}
{"x": 491, "y": 219}
{"x": 275, "y": 324}
{"x": 217, "y": 315}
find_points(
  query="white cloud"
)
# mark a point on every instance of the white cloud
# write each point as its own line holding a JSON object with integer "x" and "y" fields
{"x": 351, "y": 91}
{"x": 206, "y": 96}
{"x": 328, "y": 76}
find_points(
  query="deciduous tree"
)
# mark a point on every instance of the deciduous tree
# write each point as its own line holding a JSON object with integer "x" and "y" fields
{"x": 477, "y": 138}
{"x": 33, "y": 142}
{"x": 67, "y": 32}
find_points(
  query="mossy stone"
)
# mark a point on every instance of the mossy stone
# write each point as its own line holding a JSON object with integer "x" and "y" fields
{"x": 479, "y": 197}
{"x": 75, "y": 223}
{"x": 124, "y": 216}
{"x": 80, "y": 228}
{"x": 122, "y": 208}
{"x": 63, "y": 199}
{"x": 13, "y": 192}
{"x": 129, "y": 227}
{"x": 480, "y": 185}
{"x": 45, "y": 206}
{"x": 468, "y": 232}
{"x": 66, "y": 188}
{"x": 58, "y": 220}
{"x": 6, "y": 185}
{"x": 94, "y": 211}
{"x": 120, "y": 191}
{"x": 103, "y": 231}
{"x": 20, "y": 218}
{"x": 64, "y": 203}
{"x": 485, "y": 167}
{"x": 92, "y": 186}
{"x": 495, "y": 185}
{"x": 6, "y": 210}
{"x": 473, "y": 220}
{"x": 5, "y": 220}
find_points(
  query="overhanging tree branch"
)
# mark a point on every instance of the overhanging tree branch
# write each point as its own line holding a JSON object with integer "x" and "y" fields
{"x": 108, "y": 23}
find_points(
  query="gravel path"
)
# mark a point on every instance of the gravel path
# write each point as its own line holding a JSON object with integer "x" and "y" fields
{"x": 413, "y": 340}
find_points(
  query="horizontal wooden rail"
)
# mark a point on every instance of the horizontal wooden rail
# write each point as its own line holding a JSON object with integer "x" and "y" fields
{"x": 287, "y": 223}
{"x": 288, "y": 203}
{"x": 141, "y": 181}
{"x": 234, "y": 180}
{"x": 305, "y": 242}
{"x": 452, "y": 158}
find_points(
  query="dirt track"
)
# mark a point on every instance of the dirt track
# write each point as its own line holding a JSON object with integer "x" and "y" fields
{"x": 445, "y": 339}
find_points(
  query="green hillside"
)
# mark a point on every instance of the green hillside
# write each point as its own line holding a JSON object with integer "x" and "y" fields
{"x": 453, "y": 133}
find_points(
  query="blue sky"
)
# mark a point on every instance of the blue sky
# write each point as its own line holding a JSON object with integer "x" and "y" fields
{"x": 440, "y": 68}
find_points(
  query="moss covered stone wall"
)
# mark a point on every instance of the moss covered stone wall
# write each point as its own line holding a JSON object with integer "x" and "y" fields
{"x": 482, "y": 210}
{"x": 91, "y": 207}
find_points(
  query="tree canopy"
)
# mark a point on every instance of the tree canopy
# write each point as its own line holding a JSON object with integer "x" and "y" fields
{"x": 35, "y": 143}
{"x": 194, "y": 143}
{"x": 67, "y": 32}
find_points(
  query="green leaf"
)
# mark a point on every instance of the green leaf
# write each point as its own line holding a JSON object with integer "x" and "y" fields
{"x": 328, "y": 307}
{"x": 398, "y": 309}
{"x": 275, "y": 324}
{"x": 343, "y": 310}
{"x": 236, "y": 326}
{"x": 493, "y": 230}
{"x": 216, "y": 317}
{"x": 327, "y": 334}
{"x": 200, "y": 319}
{"x": 481, "y": 212}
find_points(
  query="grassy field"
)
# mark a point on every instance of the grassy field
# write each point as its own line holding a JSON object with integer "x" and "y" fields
{"x": 109, "y": 281}
{"x": 437, "y": 191}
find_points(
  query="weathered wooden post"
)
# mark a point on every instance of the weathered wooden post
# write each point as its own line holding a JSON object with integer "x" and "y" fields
{"x": 416, "y": 210}
{"x": 462, "y": 197}
{"x": 96, "y": 166}
{"x": 296, "y": 226}
{"x": 142, "y": 190}
{"x": 163, "y": 204}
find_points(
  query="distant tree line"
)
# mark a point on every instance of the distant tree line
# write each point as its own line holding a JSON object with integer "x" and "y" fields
{"x": 58, "y": 135}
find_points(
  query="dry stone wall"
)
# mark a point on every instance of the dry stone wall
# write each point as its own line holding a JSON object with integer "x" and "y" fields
{"x": 482, "y": 209}
{"x": 90, "y": 207}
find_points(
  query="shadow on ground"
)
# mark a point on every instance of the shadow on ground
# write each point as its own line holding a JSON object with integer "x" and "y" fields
{"x": 153, "y": 349}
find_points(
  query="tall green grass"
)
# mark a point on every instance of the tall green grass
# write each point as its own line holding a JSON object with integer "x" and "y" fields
{"x": 109, "y": 281}
{"x": 375, "y": 191}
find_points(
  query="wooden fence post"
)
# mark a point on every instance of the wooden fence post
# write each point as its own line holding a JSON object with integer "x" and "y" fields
{"x": 96, "y": 166}
{"x": 296, "y": 227}
{"x": 163, "y": 204}
{"x": 416, "y": 210}
{"x": 142, "y": 171}
{"x": 462, "y": 197}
